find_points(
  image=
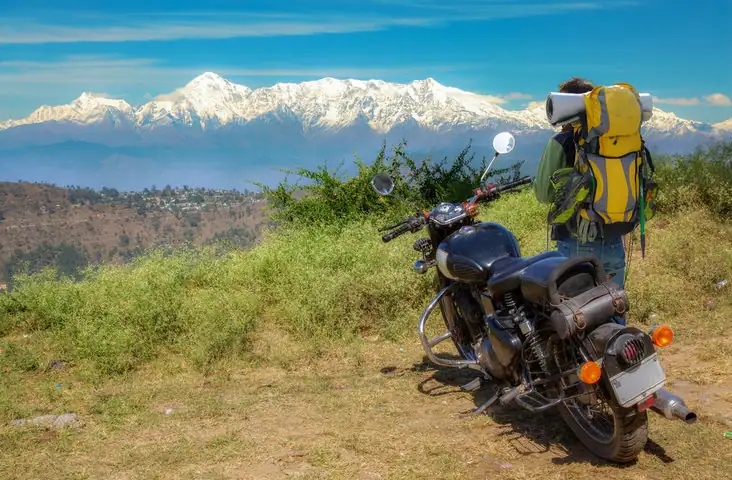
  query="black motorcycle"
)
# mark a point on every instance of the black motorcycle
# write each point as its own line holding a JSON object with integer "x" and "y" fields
{"x": 543, "y": 327}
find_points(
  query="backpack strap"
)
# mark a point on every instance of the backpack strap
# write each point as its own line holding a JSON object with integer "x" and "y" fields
{"x": 648, "y": 156}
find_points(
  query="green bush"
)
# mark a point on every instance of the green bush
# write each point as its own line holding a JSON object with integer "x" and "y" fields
{"x": 703, "y": 178}
{"x": 333, "y": 201}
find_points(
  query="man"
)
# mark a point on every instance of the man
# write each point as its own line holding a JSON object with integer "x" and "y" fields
{"x": 560, "y": 153}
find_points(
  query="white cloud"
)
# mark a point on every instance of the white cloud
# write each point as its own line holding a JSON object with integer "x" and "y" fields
{"x": 715, "y": 100}
{"x": 677, "y": 101}
{"x": 218, "y": 25}
{"x": 498, "y": 100}
{"x": 518, "y": 96}
{"x": 112, "y": 74}
{"x": 503, "y": 99}
{"x": 718, "y": 100}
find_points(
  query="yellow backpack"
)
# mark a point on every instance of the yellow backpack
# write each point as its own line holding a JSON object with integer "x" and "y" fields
{"x": 610, "y": 183}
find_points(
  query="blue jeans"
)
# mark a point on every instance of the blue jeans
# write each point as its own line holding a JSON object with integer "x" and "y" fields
{"x": 610, "y": 251}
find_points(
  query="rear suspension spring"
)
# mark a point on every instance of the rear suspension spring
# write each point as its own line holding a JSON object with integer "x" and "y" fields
{"x": 534, "y": 340}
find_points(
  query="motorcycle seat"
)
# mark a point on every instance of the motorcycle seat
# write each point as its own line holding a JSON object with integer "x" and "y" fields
{"x": 508, "y": 272}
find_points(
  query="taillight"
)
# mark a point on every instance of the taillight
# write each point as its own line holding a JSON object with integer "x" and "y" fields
{"x": 632, "y": 351}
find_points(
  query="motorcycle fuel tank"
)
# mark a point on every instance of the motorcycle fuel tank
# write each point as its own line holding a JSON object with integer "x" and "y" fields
{"x": 468, "y": 254}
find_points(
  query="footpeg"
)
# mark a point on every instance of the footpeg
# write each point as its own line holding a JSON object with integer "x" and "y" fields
{"x": 511, "y": 395}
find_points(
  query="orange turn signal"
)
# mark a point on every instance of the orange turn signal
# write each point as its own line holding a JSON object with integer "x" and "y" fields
{"x": 590, "y": 373}
{"x": 662, "y": 335}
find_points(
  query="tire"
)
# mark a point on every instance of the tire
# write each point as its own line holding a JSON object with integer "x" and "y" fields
{"x": 465, "y": 350}
{"x": 630, "y": 434}
{"x": 629, "y": 427}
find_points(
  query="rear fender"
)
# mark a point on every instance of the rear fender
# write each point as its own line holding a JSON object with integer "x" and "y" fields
{"x": 617, "y": 349}
{"x": 596, "y": 342}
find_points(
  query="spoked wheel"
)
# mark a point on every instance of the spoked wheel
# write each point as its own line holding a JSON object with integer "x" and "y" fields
{"x": 613, "y": 433}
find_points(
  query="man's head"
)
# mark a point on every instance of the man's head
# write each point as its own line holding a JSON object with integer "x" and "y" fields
{"x": 576, "y": 85}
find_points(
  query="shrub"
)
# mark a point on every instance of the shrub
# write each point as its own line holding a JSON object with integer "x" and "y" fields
{"x": 335, "y": 201}
{"x": 702, "y": 178}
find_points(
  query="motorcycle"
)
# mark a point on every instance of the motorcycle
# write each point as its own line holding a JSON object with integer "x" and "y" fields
{"x": 542, "y": 327}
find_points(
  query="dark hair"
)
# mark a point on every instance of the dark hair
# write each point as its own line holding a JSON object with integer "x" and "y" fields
{"x": 576, "y": 85}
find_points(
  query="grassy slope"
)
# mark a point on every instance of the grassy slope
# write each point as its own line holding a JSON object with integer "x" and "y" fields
{"x": 270, "y": 369}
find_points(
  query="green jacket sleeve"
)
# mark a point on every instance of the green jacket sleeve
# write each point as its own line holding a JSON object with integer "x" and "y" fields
{"x": 552, "y": 160}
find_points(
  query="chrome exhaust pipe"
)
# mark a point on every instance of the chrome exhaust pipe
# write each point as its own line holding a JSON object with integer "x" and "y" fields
{"x": 672, "y": 406}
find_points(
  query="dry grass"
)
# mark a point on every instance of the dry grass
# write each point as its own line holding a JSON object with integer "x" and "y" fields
{"x": 380, "y": 414}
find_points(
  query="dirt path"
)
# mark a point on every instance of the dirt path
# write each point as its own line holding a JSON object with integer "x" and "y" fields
{"x": 379, "y": 414}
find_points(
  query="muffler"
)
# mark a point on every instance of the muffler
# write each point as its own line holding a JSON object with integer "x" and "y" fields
{"x": 672, "y": 406}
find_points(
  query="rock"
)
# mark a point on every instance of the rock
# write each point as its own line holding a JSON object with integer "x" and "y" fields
{"x": 42, "y": 420}
{"x": 55, "y": 421}
{"x": 68, "y": 420}
{"x": 168, "y": 411}
{"x": 710, "y": 305}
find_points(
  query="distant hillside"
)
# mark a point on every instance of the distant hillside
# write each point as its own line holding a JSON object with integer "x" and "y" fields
{"x": 70, "y": 227}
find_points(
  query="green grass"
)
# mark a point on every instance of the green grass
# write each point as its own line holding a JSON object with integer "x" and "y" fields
{"x": 323, "y": 286}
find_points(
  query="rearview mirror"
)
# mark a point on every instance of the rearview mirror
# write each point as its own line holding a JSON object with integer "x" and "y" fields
{"x": 503, "y": 143}
{"x": 382, "y": 183}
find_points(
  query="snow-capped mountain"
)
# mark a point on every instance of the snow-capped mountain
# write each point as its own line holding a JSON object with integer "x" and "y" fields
{"x": 303, "y": 123}
{"x": 210, "y": 100}
{"x": 726, "y": 125}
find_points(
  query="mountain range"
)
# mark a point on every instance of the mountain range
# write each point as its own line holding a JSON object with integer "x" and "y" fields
{"x": 215, "y": 133}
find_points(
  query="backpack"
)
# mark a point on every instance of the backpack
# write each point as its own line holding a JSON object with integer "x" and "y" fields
{"x": 609, "y": 188}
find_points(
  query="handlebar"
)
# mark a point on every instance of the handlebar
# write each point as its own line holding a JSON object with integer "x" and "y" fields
{"x": 415, "y": 223}
{"x": 517, "y": 183}
{"x": 492, "y": 192}
{"x": 412, "y": 224}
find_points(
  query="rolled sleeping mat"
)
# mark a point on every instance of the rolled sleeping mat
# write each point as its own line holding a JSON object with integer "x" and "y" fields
{"x": 563, "y": 108}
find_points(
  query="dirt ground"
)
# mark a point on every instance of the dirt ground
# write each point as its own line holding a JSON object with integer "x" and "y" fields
{"x": 379, "y": 412}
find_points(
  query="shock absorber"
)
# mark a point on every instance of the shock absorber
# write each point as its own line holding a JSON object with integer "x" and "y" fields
{"x": 534, "y": 340}
{"x": 509, "y": 301}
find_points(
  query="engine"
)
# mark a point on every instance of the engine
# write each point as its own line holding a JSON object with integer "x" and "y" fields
{"x": 499, "y": 349}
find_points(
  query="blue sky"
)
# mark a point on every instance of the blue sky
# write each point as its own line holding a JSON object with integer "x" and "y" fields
{"x": 681, "y": 52}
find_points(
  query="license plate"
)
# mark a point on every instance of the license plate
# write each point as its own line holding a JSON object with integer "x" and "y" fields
{"x": 632, "y": 386}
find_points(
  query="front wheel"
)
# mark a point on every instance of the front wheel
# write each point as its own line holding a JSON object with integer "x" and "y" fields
{"x": 616, "y": 435}
{"x": 455, "y": 322}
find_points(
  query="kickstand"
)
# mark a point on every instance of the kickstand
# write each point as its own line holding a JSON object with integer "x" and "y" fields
{"x": 487, "y": 404}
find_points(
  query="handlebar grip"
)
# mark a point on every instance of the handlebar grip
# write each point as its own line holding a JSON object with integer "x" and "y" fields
{"x": 399, "y": 231}
{"x": 517, "y": 183}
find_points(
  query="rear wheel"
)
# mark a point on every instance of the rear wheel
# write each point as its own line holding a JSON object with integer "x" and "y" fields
{"x": 611, "y": 432}
{"x": 617, "y": 435}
